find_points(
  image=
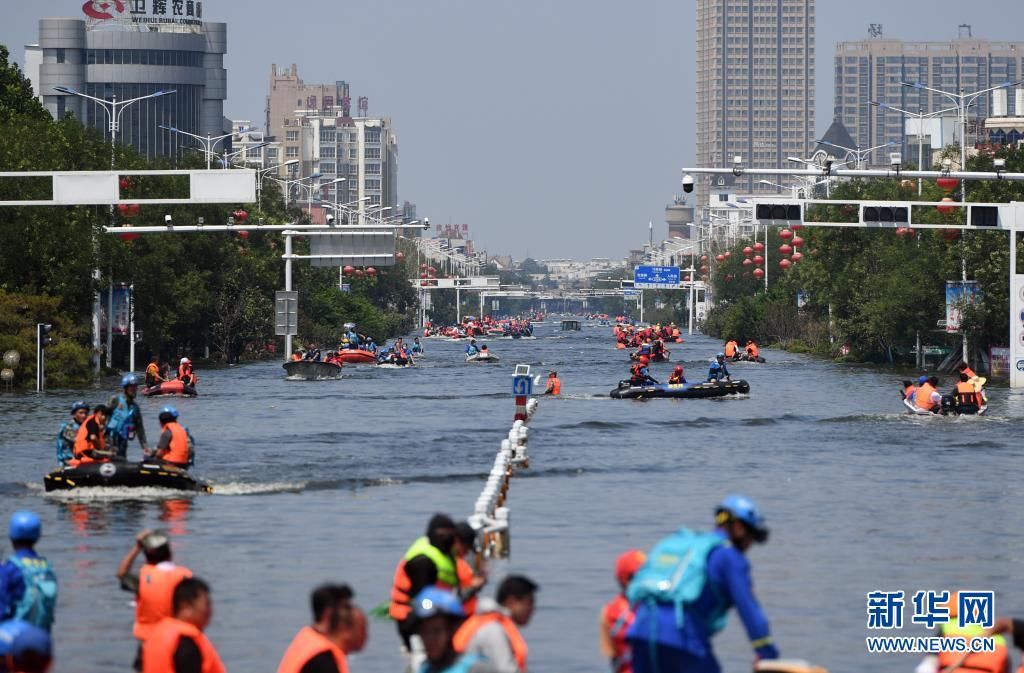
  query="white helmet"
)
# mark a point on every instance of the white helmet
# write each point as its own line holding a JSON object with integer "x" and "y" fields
{"x": 184, "y": 361}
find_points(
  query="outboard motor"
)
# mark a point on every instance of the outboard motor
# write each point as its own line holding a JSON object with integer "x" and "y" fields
{"x": 949, "y": 405}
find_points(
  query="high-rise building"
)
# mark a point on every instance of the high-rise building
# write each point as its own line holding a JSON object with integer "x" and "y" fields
{"x": 132, "y": 49}
{"x": 755, "y": 85}
{"x": 314, "y": 123}
{"x": 875, "y": 69}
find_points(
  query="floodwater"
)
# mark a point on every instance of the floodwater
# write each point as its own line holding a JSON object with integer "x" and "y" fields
{"x": 332, "y": 480}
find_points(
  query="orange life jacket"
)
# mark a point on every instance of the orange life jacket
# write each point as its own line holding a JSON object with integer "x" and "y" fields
{"x": 158, "y": 654}
{"x": 555, "y": 386}
{"x": 730, "y": 349}
{"x": 156, "y": 592}
{"x": 296, "y": 357}
{"x": 465, "y": 573}
{"x": 307, "y": 644}
{"x": 153, "y": 369}
{"x": 970, "y": 372}
{"x": 460, "y": 641}
{"x": 923, "y": 398}
{"x": 617, "y": 617}
{"x": 82, "y": 443}
{"x": 752, "y": 350}
{"x": 447, "y": 577}
{"x": 178, "y": 452}
{"x": 908, "y": 392}
{"x": 966, "y": 394}
{"x": 997, "y": 661}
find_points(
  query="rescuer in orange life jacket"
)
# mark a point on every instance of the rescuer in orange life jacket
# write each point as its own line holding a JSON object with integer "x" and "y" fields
{"x": 493, "y": 632}
{"x": 177, "y": 644}
{"x": 617, "y": 615}
{"x": 153, "y": 585}
{"x": 338, "y": 629}
{"x": 175, "y": 446}
{"x": 428, "y": 562}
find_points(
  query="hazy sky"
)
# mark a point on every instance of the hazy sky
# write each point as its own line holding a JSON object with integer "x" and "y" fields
{"x": 554, "y": 127}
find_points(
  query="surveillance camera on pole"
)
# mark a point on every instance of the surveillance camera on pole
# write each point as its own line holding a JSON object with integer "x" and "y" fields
{"x": 330, "y": 220}
{"x": 168, "y": 220}
{"x": 737, "y": 165}
{"x": 687, "y": 183}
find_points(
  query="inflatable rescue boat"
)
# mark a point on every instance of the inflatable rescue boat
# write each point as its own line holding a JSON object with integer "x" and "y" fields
{"x": 124, "y": 475}
{"x": 949, "y": 408}
{"x": 701, "y": 390}
{"x": 354, "y": 356}
{"x": 482, "y": 356}
{"x": 308, "y": 370}
{"x": 173, "y": 388}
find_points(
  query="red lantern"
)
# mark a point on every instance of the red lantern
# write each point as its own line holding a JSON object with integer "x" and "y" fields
{"x": 759, "y": 247}
{"x": 748, "y": 262}
{"x": 128, "y": 237}
{"x": 423, "y": 275}
{"x": 901, "y": 231}
{"x": 359, "y": 273}
{"x": 945, "y": 210}
{"x": 748, "y": 251}
{"x": 947, "y": 184}
{"x": 241, "y": 215}
{"x": 431, "y": 270}
{"x": 719, "y": 258}
{"x": 950, "y": 234}
{"x": 347, "y": 270}
{"x": 728, "y": 254}
{"x": 785, "y": 234}
{"x": 370, "y": 271}
{"x": 689, "y": 278}
{"x": 797, "y": 256}
{"x": 786, "y": 249}
{"x": 423, "y": 283}
{"x": 796, "y": 226}
{"x": 758, "y": 260}
{"x": 244, "y": 235}
{"x": 798, "y": 242}
{"x": 759, "y": 273}
{"x": 703, "y": 258}
{"x": 784, "y": 264}
{"x": 125, "y": 183}
{"x": 704, "y": 269}
{"x": 123, "y": 209}
{"x": 400, "y": 256}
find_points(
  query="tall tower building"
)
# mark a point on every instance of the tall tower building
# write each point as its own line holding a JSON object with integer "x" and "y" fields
{"x": 875, "y": 69}
{"x": 755, "y": 85}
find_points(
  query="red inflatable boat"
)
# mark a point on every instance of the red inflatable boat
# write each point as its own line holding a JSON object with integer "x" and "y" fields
{"x": 173, "y": 388}
{"x": 356, "y": 356}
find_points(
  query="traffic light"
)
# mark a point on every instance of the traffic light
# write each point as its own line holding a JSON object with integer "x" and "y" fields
{"x": 894, "y": 214}
{"x": 44, "y": 335}
{"x": 779, "y": 213}
{"x": 984, "y": 216}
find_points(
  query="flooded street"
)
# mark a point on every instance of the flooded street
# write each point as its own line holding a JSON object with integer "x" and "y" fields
{"x": 332, "y": 480}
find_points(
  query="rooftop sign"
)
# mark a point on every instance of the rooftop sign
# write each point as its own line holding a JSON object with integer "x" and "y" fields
{"x": 149, "y": 12}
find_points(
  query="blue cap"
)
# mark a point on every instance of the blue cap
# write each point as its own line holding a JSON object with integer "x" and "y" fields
{"x": 169, "y": 410}
{"x": 18, "y": 638}
{"x": 25, "y": 526}
{"x": 129, "y": 380}
{"x": 922, "y": 380}
{"x": 746, "y": 510}
{"x": 433, "y": 601}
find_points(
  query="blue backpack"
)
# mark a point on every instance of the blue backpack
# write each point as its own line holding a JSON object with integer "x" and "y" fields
{"x": 676, "y": 572}
{"x": 122, "y": 419}
{"x": 39, "y": 602}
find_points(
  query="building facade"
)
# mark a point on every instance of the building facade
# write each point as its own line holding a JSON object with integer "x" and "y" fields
{"x": 875, "y": 69}
{"x": 133, "y": 49}
{"x": 314, "y": 124}
{"x": 755, "y": 85}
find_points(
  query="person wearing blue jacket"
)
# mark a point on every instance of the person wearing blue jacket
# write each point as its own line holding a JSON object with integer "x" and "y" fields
{"x": 663, "y": 643}
{"x": 718, "y": 370}
{"x": 68, "y": 431}
{"x": 28, "y": 585}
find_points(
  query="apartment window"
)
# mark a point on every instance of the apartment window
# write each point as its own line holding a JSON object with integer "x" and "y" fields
{"x": 61, "y": 56}
{"x": 327, "y": 136}
{"x": 353, "y": 137}
{"x": 373, "y": 135}
{"x": 327, "y": 168}
{"x": 292, "y": 152}
{"x": 352, "y": 154}
{"x": 311, "y": 102}
{"x": 327, "y": 151}
{"x": 373, "y": 169}
{"x": 372, "y": 184}
{"x": 291, "y": 136}
{"x": 254, "y": 153}
{"x": 272, "y": 154}
{"x": 372, "y": 153}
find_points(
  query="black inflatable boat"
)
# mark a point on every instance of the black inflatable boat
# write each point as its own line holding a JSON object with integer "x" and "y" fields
{"x": 701, "y": 390}
{"x": 308, "y": 370}
{"x": 124, "y": 475}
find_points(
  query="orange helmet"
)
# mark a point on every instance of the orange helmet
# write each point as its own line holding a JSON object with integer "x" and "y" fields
{"x": 644, "y": 360}
{"x": 627, "y": 564}
{"x": 679, "y": 369}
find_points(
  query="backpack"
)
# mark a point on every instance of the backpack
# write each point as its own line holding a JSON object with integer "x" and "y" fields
{"x": 39, "y": 602}
{"x": 676, "y": 572}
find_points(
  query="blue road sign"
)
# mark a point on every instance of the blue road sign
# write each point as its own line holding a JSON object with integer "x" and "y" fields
{"x": 522, "y": 385}
{"x": 656, "y": 277}
{"x": 631, "y": 294}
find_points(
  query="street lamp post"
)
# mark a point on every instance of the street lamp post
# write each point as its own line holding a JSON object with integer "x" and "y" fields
{"x": 920, "y": 115}
{"x": 208, "y": 141}
{"x": 262, "y": 173}
{"x": 114, "y": 109}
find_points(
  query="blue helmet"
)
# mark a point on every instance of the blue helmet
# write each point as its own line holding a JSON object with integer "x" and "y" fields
{"x": 129, "y": 380}
{"x": 25, "y": 526}
{"x": 433, "y": 601}
{"x": 79, "y": 405}
{"x": 720, "y": 356}
{"x": 169, "y": 410}
{"x": 746, "y": 510}
{"x": 18, "y": 638}
{"x": 921, "y": 380}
